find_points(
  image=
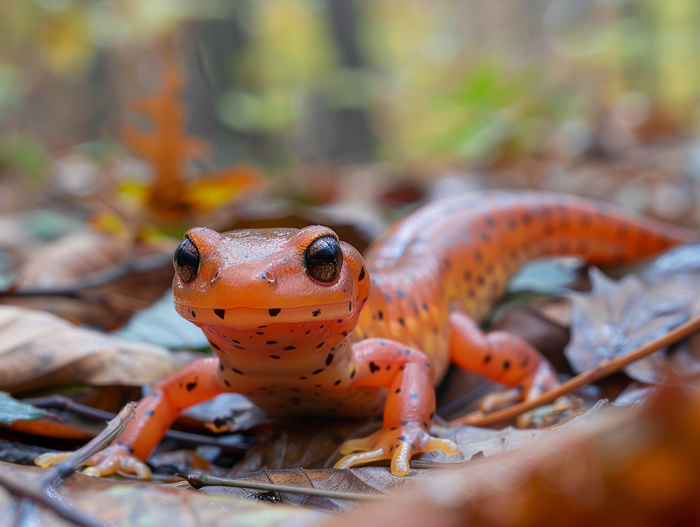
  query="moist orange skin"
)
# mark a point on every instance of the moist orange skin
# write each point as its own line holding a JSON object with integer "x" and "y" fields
{"x": 378, "y": 338}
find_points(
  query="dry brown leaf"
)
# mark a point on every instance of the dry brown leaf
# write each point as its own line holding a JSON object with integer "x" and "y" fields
{"x": 40, "y": 350}
{"x": 610, "y": 468}
{"x": 62, "y": 263}
{"x": 615, "y": 318}
{"x": 144, "y": 503}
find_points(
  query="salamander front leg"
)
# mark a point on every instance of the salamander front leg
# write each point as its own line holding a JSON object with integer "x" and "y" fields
{"x": 154, "y": 415}
{"x": 500, "y": 357}
{"x": 409, "y": 408}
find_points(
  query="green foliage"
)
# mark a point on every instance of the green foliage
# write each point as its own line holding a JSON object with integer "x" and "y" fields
{"x": 12, "y": 410}
{"x": 25, "y": 154}
{"x": 493, "y": 108}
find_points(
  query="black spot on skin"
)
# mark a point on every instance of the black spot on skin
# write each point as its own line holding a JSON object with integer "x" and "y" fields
{"x": 425, "y": 306}
{"x": 303, "y": 378}
{"x": 388, "y": 366}
{"x": 352, "y": 374}
{"x": 318, "y": 371}
{"x": 336, "y": 383}
{"x": 272, "y": 342}
{"x": 214, "y": 346}
{"x": 227, "y": 383}
{"x": 345, "y": 333}
{"x": 484, "y": 236}
{"x": 398, "y": 390}
{"x": 290, "y": 348}
{"x": 149, "y": 413}
{"x": 362, "y": 275}
{"x": 221, "y": 366}
{"x": 490, "y": 221}
{"x": 506, "y": 364}
{"x": 401, "y": 321}
{"x": 316, "y": 313}
{"x": 238, "y": 347}
{"x": 373, "y": 367}
{"x": 259, "y": 333}
{"x": 194, "y": 315}
{"x": 349, "y": 306}
{"x": 239, "y": 372}
{"x": 260, "y": 327}
{"x": 274, "y": 356}
{"x": 321, "y": 344}
{"x": 329, "y": 359}
{"x": 380, "y": 314}
{"x": 220, "y": 313}
{"x": 191, "y": 386}
{"x": 401, "y": 438}
{"x": 487, "y": 359}
{"x": 274, "y": 312}
{"x": 234, "y": 340}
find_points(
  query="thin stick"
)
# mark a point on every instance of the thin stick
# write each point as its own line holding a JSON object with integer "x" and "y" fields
{"x": 203, "y": 480}
{"x": 40, "y": 490}
{"x": 602, "y": 369}
{"x": 113, "y": 429}
{"x": 61, "y": 402}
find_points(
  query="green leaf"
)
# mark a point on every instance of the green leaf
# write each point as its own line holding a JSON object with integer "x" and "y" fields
{"x": 12, "y": 410}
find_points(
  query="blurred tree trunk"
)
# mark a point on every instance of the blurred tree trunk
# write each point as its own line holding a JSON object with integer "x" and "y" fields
{"x": 353, "y": 137}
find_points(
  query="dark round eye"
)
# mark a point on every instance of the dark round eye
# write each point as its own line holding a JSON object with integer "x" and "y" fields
{"x": 324, "y": 258}
{"x": 186, "y": 260}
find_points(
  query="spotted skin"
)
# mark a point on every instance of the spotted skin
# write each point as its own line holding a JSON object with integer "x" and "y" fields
{"x": 385, "y": 330}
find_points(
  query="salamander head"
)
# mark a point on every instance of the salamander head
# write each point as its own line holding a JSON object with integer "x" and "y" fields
{"x": 250, "y": 278}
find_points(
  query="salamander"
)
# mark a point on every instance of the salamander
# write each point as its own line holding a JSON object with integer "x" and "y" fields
{"x": 301, "y": 324}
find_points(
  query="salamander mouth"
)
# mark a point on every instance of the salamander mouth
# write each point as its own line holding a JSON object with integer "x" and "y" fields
{"x": 246, "y": 317}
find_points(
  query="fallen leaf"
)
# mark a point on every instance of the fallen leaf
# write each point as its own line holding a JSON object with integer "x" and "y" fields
{"x": 12, "y": 410}
{"x": 40, "y": 350}
{"x": 62, "y": 263}
{"x": 615, "y": 318}
{"x": 618, "y": 466}
{"x": 144, "y": 503}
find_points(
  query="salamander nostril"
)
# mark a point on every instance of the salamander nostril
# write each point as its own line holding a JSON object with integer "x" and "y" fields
{"x": 186, "y": 260}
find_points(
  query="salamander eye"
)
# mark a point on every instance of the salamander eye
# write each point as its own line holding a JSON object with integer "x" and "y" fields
{"x": 186, "y": 260}
{"x": 324, "y": 258}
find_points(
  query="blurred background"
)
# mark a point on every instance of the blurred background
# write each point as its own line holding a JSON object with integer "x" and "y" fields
{"x": 598, "y": 97}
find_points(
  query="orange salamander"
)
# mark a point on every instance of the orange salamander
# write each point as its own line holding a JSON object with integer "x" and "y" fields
{"x": 301, "y": 324}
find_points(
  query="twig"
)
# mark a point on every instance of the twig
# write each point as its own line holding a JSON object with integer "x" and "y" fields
{"x": 61, "y": 402}
{"x": 203, "y": 480}
{"x": 40, "y": 490}
{"x": 602, "y": 369}
{"x": 142, "y": 264}
{"x": 114, "y": 428}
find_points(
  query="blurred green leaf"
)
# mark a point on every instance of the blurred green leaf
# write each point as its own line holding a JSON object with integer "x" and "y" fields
{"x": 26, "y": 154}
{"x": 12, "y": 410}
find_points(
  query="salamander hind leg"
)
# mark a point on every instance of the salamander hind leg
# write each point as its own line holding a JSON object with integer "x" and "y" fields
{"x": 409, "y": 408}
{"x": 500, "y": 357}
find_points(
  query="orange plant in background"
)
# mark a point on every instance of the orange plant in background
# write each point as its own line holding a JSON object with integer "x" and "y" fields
{"x": 168, "y": 147}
